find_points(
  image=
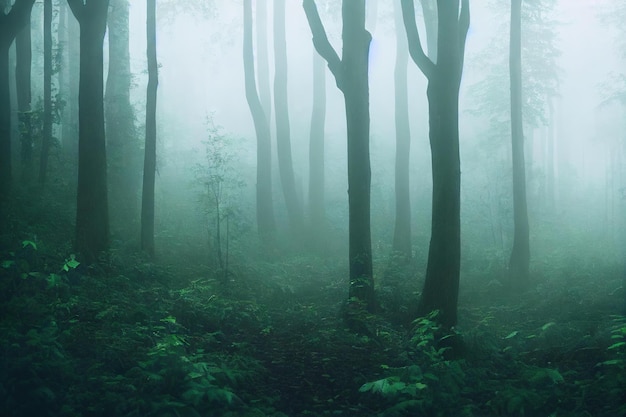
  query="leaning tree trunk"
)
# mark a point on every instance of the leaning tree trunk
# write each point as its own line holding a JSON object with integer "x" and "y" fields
{"x": 10, "y": 25}
{"x": 92, "y": 215}
{"x": 520, "y": 253}
{"x": 283, "y": 139}
{"x": 441, "y": 285}
{"x": 149, "y": 165}
{"x": 351, "y": 76}
{"x": 264, "y": 204}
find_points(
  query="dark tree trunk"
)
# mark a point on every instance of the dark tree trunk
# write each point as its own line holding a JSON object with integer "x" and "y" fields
{"x": 122, "y": 147}
{"x": 264, "y": 204}
{"x": 149, "y": 165}
{"x": 47, "y": 91}
{"x": 441, "y": 286}
{"x": 10, "y": 25}
{"x": 402, "y": 227}
{"x": 92, "y": 216}
{"x": 520, "y": 254}
{"x": 283, "y": 139}
{"x": 23, "y": 55}
{"x": 351, "y": 75}
{"x": 316, "y": 146}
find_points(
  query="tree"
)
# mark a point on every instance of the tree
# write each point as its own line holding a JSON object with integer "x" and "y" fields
{"x": 441, "y": 286}
{"x": 23, "y": 55}
{"x": 402, "y": 226}
{"x": 262, "y": 59}
{"x": 520, "y": 254}
{"x": 122, "y": 147}
{"x": 316, "y": 145}
{"x": 92, "y": 215}
{"x": 149, "y": 164}
{"x": 264, "y": 204}
{"x": 11, "y": 24}
{"x": 351, "y": 76}
{"x": 47, "y": 91}
{"x": 283, "y": 139}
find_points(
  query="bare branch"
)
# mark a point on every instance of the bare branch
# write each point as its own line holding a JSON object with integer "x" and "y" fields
{"x": 415, "y": 46}
{"x": 320, "y": 41}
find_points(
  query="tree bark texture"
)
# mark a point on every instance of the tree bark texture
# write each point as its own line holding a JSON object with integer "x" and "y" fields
{"x": 520, "y": 254}
{"x": 92, "y": 215}
{"x": 10, "y": 25}
{"x": 351, "y": 76}
{"x": 441, "y": 285}
{"x": 283, "y": 134}
{"x": 402, "y": 226}
{"x": 149, "y": 164}
{"x": 264, "y": 205}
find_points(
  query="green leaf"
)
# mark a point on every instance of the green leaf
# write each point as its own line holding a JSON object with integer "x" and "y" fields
{"x": 169, "y": 319}
{"x": 512, "y": 334}
{"x": 421, "y": 386}
{"x": 547, "y": 326}
{"x": 29, "y": 243}
{"x": 617, "y": 345}
{"x": 8, "y": 264}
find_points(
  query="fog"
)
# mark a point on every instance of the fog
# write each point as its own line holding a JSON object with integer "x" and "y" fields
{"x": 201, "y": 74}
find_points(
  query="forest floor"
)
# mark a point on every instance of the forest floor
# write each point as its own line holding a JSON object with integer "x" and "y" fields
{"x": 130, "y": 337}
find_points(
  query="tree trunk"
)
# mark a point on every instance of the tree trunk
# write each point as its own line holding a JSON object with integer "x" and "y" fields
{"x": 264, "y": 204}
{"x": 441, "y": 285}
{"x": 10, "y": 25}
{"x": 47, "y": 91}
{"x": 122, "y": 147}
{"x": 23, "y": 54}
{"x": 262, "y": 60}
{"x": 92, "y": 216}
{"x": 402, "y": 227}
{"x": 520, "y": 253}
{"x": 351, "y": 75}
{"x": 316, "y": 146}
{"x": 70, "y": 69}
{"x": 283, "y": 140}
{"x": 149, "y": 165}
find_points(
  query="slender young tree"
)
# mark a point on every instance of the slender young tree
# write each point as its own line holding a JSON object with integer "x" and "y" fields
{"x": 520, "y": 254}
{"x": 316, "y": 145}
{"x": 351, "y": 75}
{"x": 11, "y": 24}
{"x": 149, "y": 165}
{"x": 283, "y": 134}
{"x": 92, "y": 214}
{"x": 262, "y": 60}
{"x": 402, "y": 227}
{"x": 441, "y": 285}
{"x": 47, "y": 91}
{"x": 122, "y": 147}
{"x": 23, "y": 63}
{"x": 264, "y": 204}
